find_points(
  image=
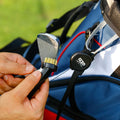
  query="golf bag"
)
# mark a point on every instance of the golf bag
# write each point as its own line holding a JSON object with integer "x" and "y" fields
{"x": 78, "y": 92}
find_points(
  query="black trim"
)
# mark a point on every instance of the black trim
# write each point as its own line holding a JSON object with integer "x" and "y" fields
{"x": 84, "y": 79}
{"x": 68, "y": 111}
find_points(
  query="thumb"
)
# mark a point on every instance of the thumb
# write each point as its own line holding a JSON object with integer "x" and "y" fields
{"x": 26, "y": 86}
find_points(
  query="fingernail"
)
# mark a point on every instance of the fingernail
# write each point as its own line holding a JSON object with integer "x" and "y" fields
{"x": 29, "y": 68}
{"x": 36, "y": 73}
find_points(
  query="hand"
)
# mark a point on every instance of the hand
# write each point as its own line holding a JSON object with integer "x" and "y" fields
{"x": 14, "y": 105}
{"x": 12, "y": 64}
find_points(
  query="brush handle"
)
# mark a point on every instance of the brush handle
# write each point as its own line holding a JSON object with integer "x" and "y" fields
{"x": 45, "y": 72}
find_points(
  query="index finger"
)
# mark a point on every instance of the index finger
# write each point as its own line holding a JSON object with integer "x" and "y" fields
{"x": 16, "y": 58}
{"x": 15, "y": 64}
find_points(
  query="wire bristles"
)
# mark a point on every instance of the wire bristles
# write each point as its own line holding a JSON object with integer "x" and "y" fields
{"x": 50, "y": 60}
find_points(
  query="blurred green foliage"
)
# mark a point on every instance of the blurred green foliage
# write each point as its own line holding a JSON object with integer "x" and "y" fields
{"x": 27, "y": 18}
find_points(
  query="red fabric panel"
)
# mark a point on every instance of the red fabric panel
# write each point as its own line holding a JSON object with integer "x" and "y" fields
{"x": 48, "y": 115}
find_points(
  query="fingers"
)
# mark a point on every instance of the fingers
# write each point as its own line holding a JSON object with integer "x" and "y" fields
{"x": 26, "y": 86}
{"x": 4, "y": 87}
{"x": 11, "y": 80}
{"x": 15, "y": 57}
{"x": 11, "y": 63}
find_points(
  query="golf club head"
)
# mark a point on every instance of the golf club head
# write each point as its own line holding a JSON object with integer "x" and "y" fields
{"x": 48, "y": 46}
{"x": 111, "y": 13}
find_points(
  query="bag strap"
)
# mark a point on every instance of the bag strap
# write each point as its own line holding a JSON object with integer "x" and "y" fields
{"x": 80, "y": 12}
{"x": 68, "y": 18}
{"x": 69, "y": 88}
{"x": 31, "y": 51}
{"x": 16, "y": 46}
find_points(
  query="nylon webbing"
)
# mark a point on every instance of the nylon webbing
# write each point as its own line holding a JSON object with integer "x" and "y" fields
{"x": 67, "y": 93}
{"x": 69, "y": 88}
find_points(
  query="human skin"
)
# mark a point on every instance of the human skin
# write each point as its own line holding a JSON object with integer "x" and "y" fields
{"x": 12, "y": 64}
{"x": 14, "y": 104}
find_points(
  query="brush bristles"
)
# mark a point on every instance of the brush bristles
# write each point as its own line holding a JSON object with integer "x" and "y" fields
{"x": 51, "y": 61}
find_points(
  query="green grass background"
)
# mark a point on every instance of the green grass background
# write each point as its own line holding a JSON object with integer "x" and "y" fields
{"x": 27, "y": 18}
